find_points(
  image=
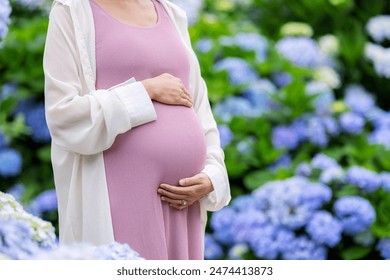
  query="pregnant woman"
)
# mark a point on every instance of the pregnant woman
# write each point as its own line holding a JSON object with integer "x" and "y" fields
{"x": 135, "y": 148}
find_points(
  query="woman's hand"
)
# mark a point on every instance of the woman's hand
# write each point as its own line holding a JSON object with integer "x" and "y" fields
{"x": 190, "y": 190}
{"x": 167, "y": 89}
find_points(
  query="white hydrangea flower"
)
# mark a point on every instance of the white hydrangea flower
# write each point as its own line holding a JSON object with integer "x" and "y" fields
{"x": 379, "y": 28}
{"x": 329, "y": 44}
{"x": 328, "y": 76}
{"x": 296, "y": 29}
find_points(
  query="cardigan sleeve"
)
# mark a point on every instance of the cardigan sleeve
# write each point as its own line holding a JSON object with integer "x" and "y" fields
{"x": 215, "y": 167}
{"x": 79, "y": 121}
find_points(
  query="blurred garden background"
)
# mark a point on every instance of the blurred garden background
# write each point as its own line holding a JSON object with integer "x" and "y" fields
{"x": 301, "y": 93}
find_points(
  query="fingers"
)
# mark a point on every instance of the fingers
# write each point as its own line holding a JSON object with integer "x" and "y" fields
{"x": 172, "y": 192}
{"x": 194, "y": 180}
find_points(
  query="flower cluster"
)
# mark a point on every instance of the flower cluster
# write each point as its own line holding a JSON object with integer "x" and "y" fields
{"x": 30, "y": 4}
{"x": 24, "y": 236}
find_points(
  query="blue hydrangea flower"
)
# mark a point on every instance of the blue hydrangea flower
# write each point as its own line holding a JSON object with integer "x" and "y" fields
{"x": 30, "y": 4}
{"x": 192, "y": 9}
{"x": 317, "y": 133}
{"x": 204, "y": 45}
{"x": 225, "y": 135}
{"x": 331, "y": 126}
{"x": 252, "y": 42}
{"x": 290, "y": 203}
{"x": 359, "y": 100}
{"x": 5, "y": 12}
{"x": 385, "y": 181}
{"x": 303, "y": 169}
{"x": 284, "y": 137}
{"x": 3, "y": 140}
{"x": 379, "y": 118}
{"x": 24, "y": 106}
{"x": 268, "y": 242}
{"x": 212, "y": 250}
{"x": 10, "y": 162}
{"x": 332, "y": 174}
{"x": 44, "y": 202}
{"x": 325, "y": 96}
{"x": 383, "y": 247}
{"x": 246, "y": 222}
{"x": 380, "y": 136}
{"x": 239, "y": 71}
{"x": 245, "y": 146}
{"x": 244, "y": 202}
{"x": 233, "y": 106}
{"x": 281, "y": 79}
{"x": 36, "y": 120}
{"x": 322, "y": 161}
{"x": 284, "y": 161}
{"x": 355, "y": 213}
{"x": 7, "y": 90}
{"x": 237, "y": 251}
{"x": 365, "y": 179}
{"x": 302, "y": 248}
{"x": 300, "y": 128}
{"x": 17, "y": 191}
{"x": 352, "y": 123}
{"x": 379, "y": 28}
{"x": 222, "y": 222}
{"x": 16, "y": 239}
{"x": 259, "y": 95}
{"x": 325, "y": 229}
{"x": 301, "y": 51}
{"x": 116, "y": 251}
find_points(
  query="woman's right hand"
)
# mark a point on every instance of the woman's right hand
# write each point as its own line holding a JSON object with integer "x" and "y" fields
{"x": 167, "y": 89}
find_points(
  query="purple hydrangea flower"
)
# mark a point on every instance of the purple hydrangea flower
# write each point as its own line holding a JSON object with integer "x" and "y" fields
{"x": 293, "y": 49}
{"x": 325, "y": 229}
{"x": 239, "y": 71}
{"x": 352, "y": 123}
{"x": 285, "y": 137}
{"x": 253, "y": 42}
{"x": 355, "y": 213}
{"x": 212, "y": 250}
{"x": 10, "y": 162}
{"x": 359, "y": 100}
{"x": 331, "y": 126}
{"x": 281, "y": 79}
{"x": 244, "y": 202}
{"x": 30, "y": 4}
{"x": 302, "y": 248}
{"x": 44, "y": 202}
{"x": 365, "y": 179}
{"x": 225, "y": 135}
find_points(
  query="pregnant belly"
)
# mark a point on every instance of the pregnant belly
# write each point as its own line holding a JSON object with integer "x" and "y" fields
{"x": 171, "y": 148}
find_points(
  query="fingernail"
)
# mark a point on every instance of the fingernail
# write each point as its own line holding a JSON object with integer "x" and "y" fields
{"x": 181, "y": 182}
{"x": 159, "y": 190}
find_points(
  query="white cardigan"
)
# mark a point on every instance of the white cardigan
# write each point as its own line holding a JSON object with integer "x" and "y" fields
{"x": 84, "y": 122}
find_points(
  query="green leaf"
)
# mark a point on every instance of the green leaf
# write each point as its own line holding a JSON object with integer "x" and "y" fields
{"x": 44, "y": 153}
{"x": 257, "y": 178}
{"x": 381, "y": 227}
{"x": 355, "y": 253}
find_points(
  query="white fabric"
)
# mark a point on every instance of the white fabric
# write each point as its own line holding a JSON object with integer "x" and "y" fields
{"x": 84, "y": 122}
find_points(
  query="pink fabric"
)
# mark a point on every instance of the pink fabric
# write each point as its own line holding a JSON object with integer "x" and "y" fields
{"x": 163, "y": 151}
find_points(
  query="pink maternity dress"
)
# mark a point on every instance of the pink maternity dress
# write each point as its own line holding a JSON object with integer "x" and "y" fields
{"x": 163, "y": 151}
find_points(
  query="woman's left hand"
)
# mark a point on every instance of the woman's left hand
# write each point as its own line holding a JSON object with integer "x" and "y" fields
{"x": 190, "y": 190}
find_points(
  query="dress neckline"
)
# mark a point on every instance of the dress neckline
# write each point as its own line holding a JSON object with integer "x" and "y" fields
{"x": 132, "y": 25}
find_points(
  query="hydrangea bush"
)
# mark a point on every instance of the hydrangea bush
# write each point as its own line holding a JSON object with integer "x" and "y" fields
{"x": 302, "y": 110}
{"x": 24, "y": 236}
